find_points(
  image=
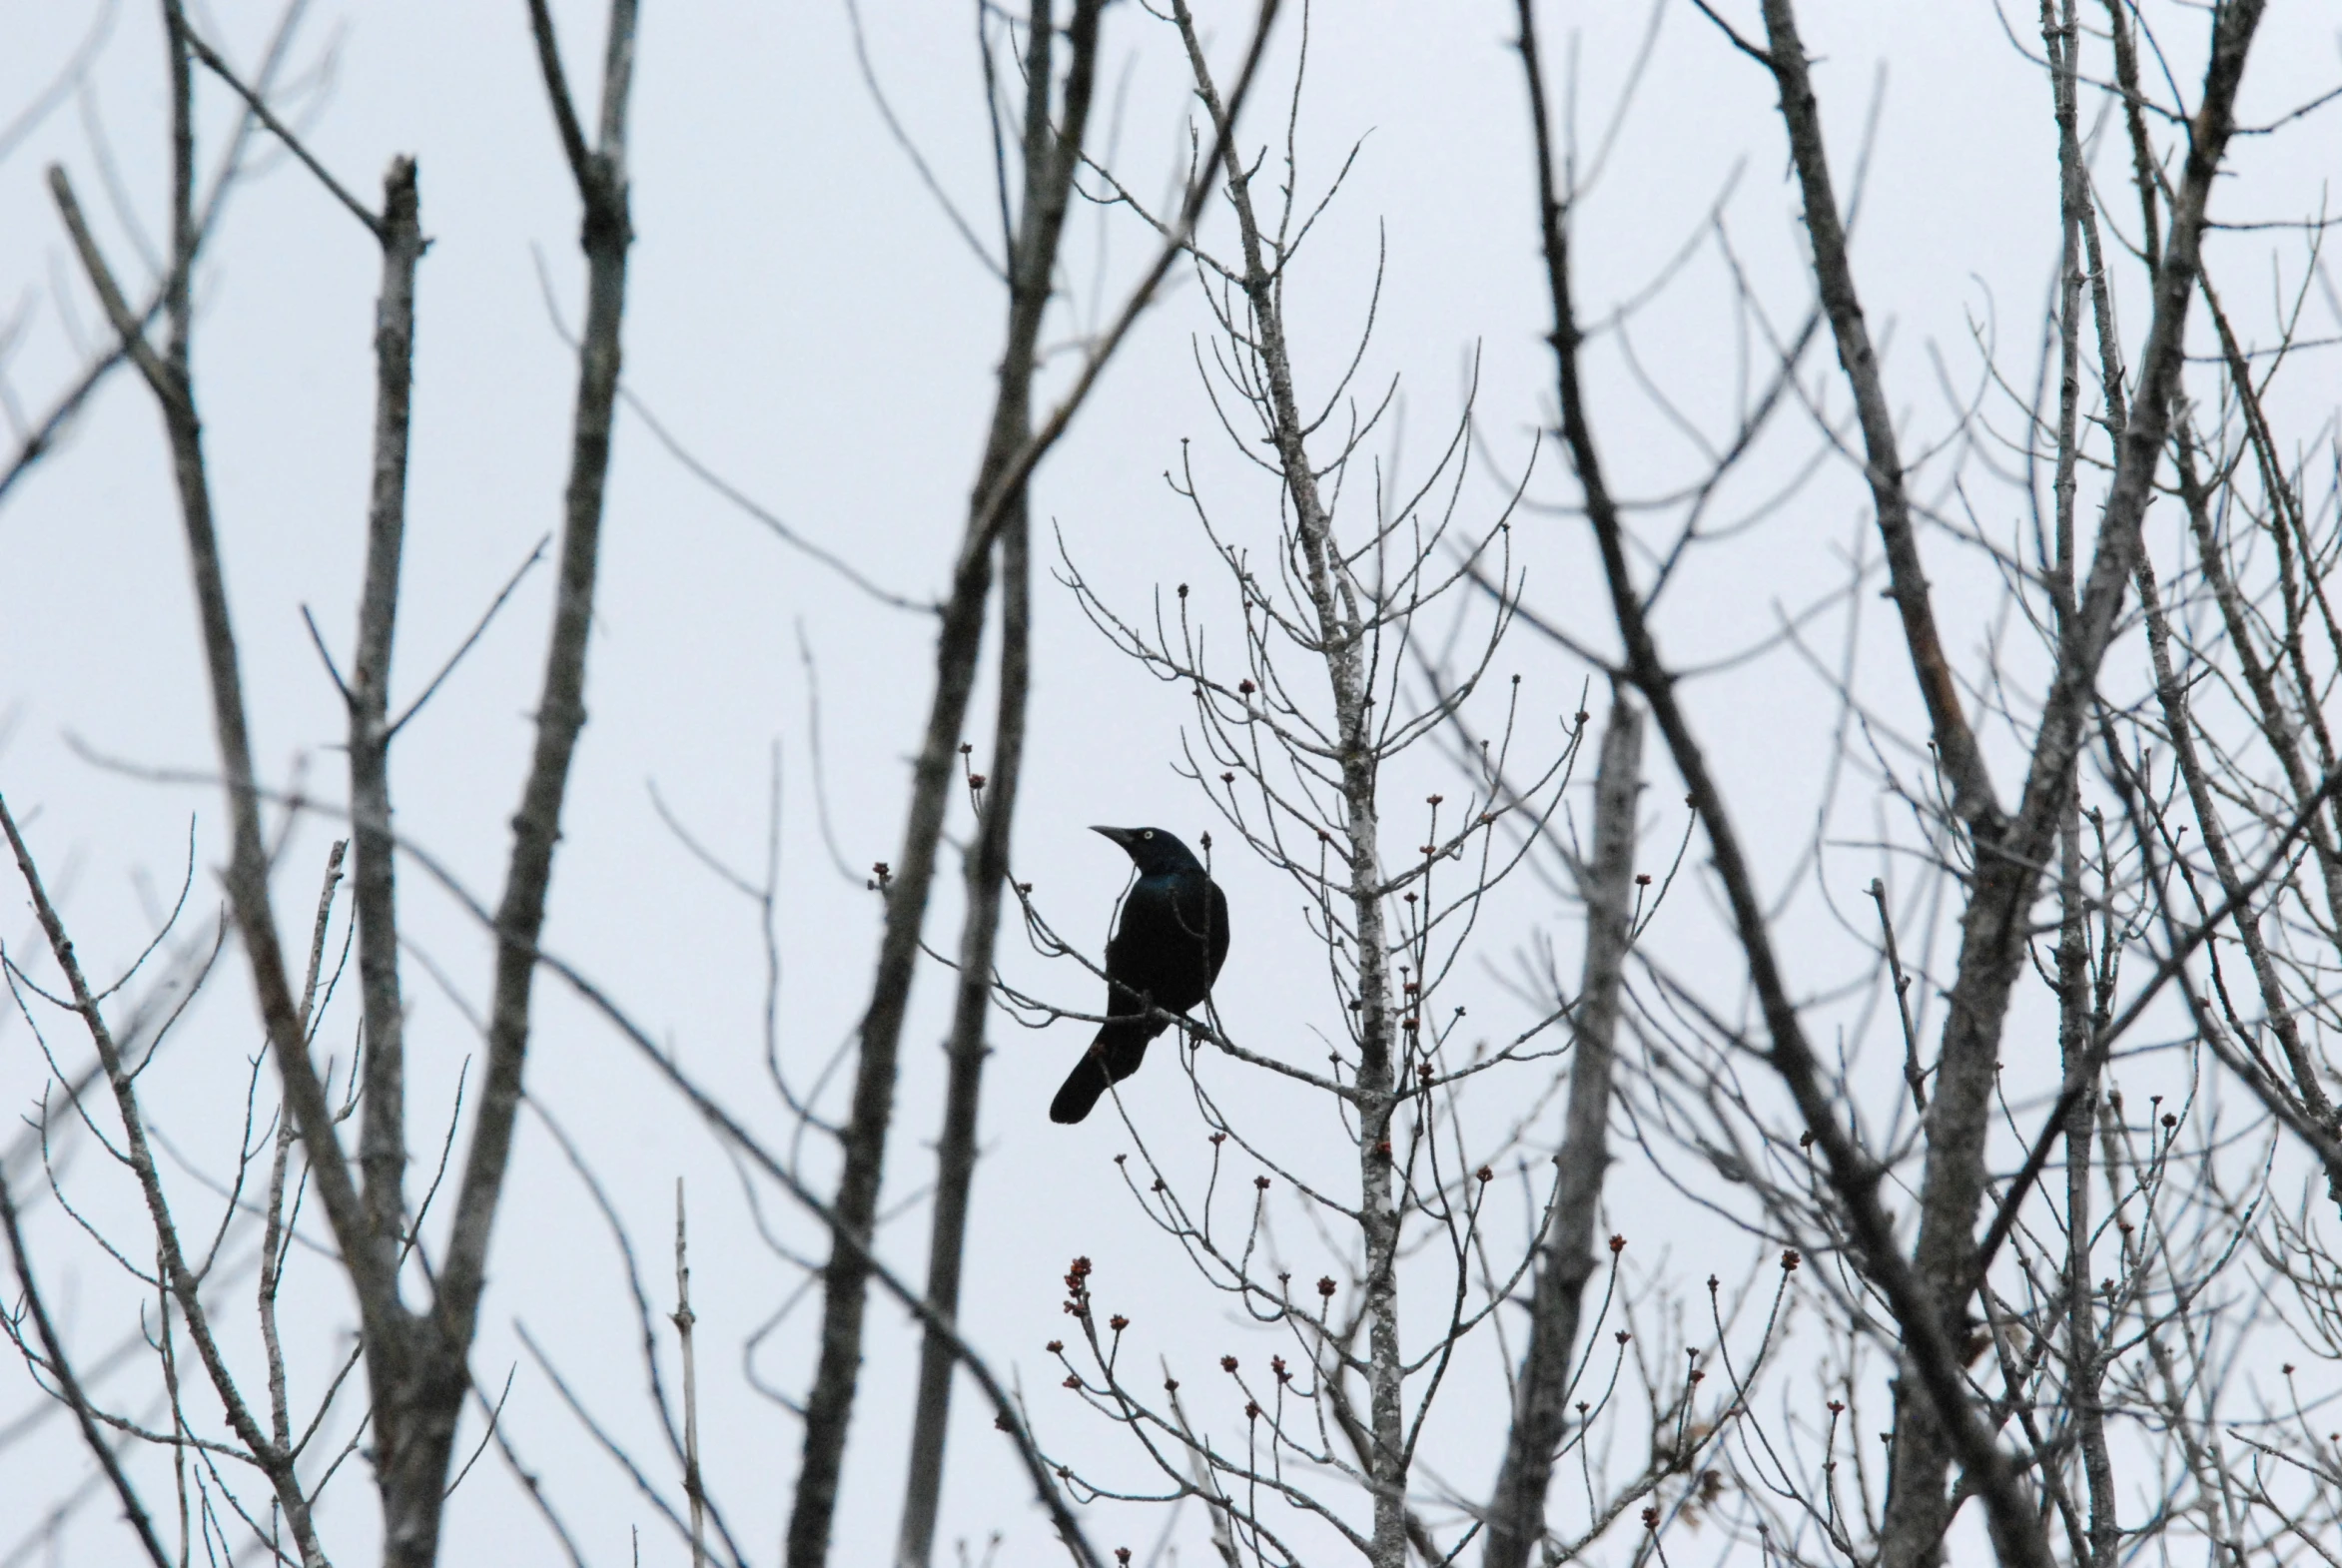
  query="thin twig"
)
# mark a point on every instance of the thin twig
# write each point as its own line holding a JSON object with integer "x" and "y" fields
{"x": 693, "y": 1486}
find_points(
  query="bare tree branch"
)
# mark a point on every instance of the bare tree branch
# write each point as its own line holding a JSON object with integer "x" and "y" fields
{"x": 1517, "y": 1511}
{"x": 1973, "y": 797}
{"x": 1052, "y": 155}
{"x": 60, "y": 1368}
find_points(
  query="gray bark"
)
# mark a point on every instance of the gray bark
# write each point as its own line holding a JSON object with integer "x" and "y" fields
{"x": 1050, "y": 163}
{"x": 1854, "y": 1176}
{"x": 1342, "y": 631}
{"x": 374, "y": 887}
{"x": 988, "y": 869}
{"x": 1993, "y": 935}
{"x": 1516, "y": 1513}
{"x": 418, "y": 1424}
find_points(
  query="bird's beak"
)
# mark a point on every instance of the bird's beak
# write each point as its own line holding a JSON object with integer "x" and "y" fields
{"x": 1122, "y": 836}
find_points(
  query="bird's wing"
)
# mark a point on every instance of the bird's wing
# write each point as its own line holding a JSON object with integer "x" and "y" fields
{"x": 1134, "y": 958}
{"x": 1218, "y": 933}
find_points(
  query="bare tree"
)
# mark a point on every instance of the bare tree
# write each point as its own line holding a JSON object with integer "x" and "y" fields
{"x": 416, "y": 1358}
{"x": 1299, "y": 750}
{"x": 1941, "y": 1300}
{"x": 1750, "y": 1180}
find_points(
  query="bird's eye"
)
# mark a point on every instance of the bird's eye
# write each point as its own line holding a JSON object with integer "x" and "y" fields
{"x": 1147, "y": 833}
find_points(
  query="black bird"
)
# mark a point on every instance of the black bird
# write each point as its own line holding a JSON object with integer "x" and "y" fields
{"x": 1164, "y": 955}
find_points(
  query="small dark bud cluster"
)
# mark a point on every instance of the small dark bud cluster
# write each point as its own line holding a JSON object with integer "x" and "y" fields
{"x": 1326, "y": 1286}
{"x": 1485, "y": 1174}
{"x": 1056, "y": 1347}
{"x": 1262, "y": 1182}
{"x": 1277, "y": 1365}
{"x": 1252, "y": 1409}
{"x": 1227, "y": 1363}
{"x": 1118, "y": 1323}
{"x": 880, "y": 874}
{"x": 1077, "y": 1288}
{"x": 1790, "y": 1259}
{"x": 1246, "y": 687}
{"x": 1642, "y": 879}
{"x": 1651, "y": 1518}
{"x": 1617, "y": 1244}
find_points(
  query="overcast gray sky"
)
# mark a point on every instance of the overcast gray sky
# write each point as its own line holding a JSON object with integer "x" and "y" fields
{"x": 804, "y": 318}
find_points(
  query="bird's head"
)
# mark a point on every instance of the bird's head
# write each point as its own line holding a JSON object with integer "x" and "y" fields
{"x": 1154, "y": 852}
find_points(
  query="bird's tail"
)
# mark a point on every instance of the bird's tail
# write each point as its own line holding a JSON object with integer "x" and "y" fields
{"x": 1113, "y": 1056}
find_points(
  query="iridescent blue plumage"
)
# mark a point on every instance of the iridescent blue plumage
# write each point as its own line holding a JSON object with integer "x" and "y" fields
{"x": 1163, "y": 957}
